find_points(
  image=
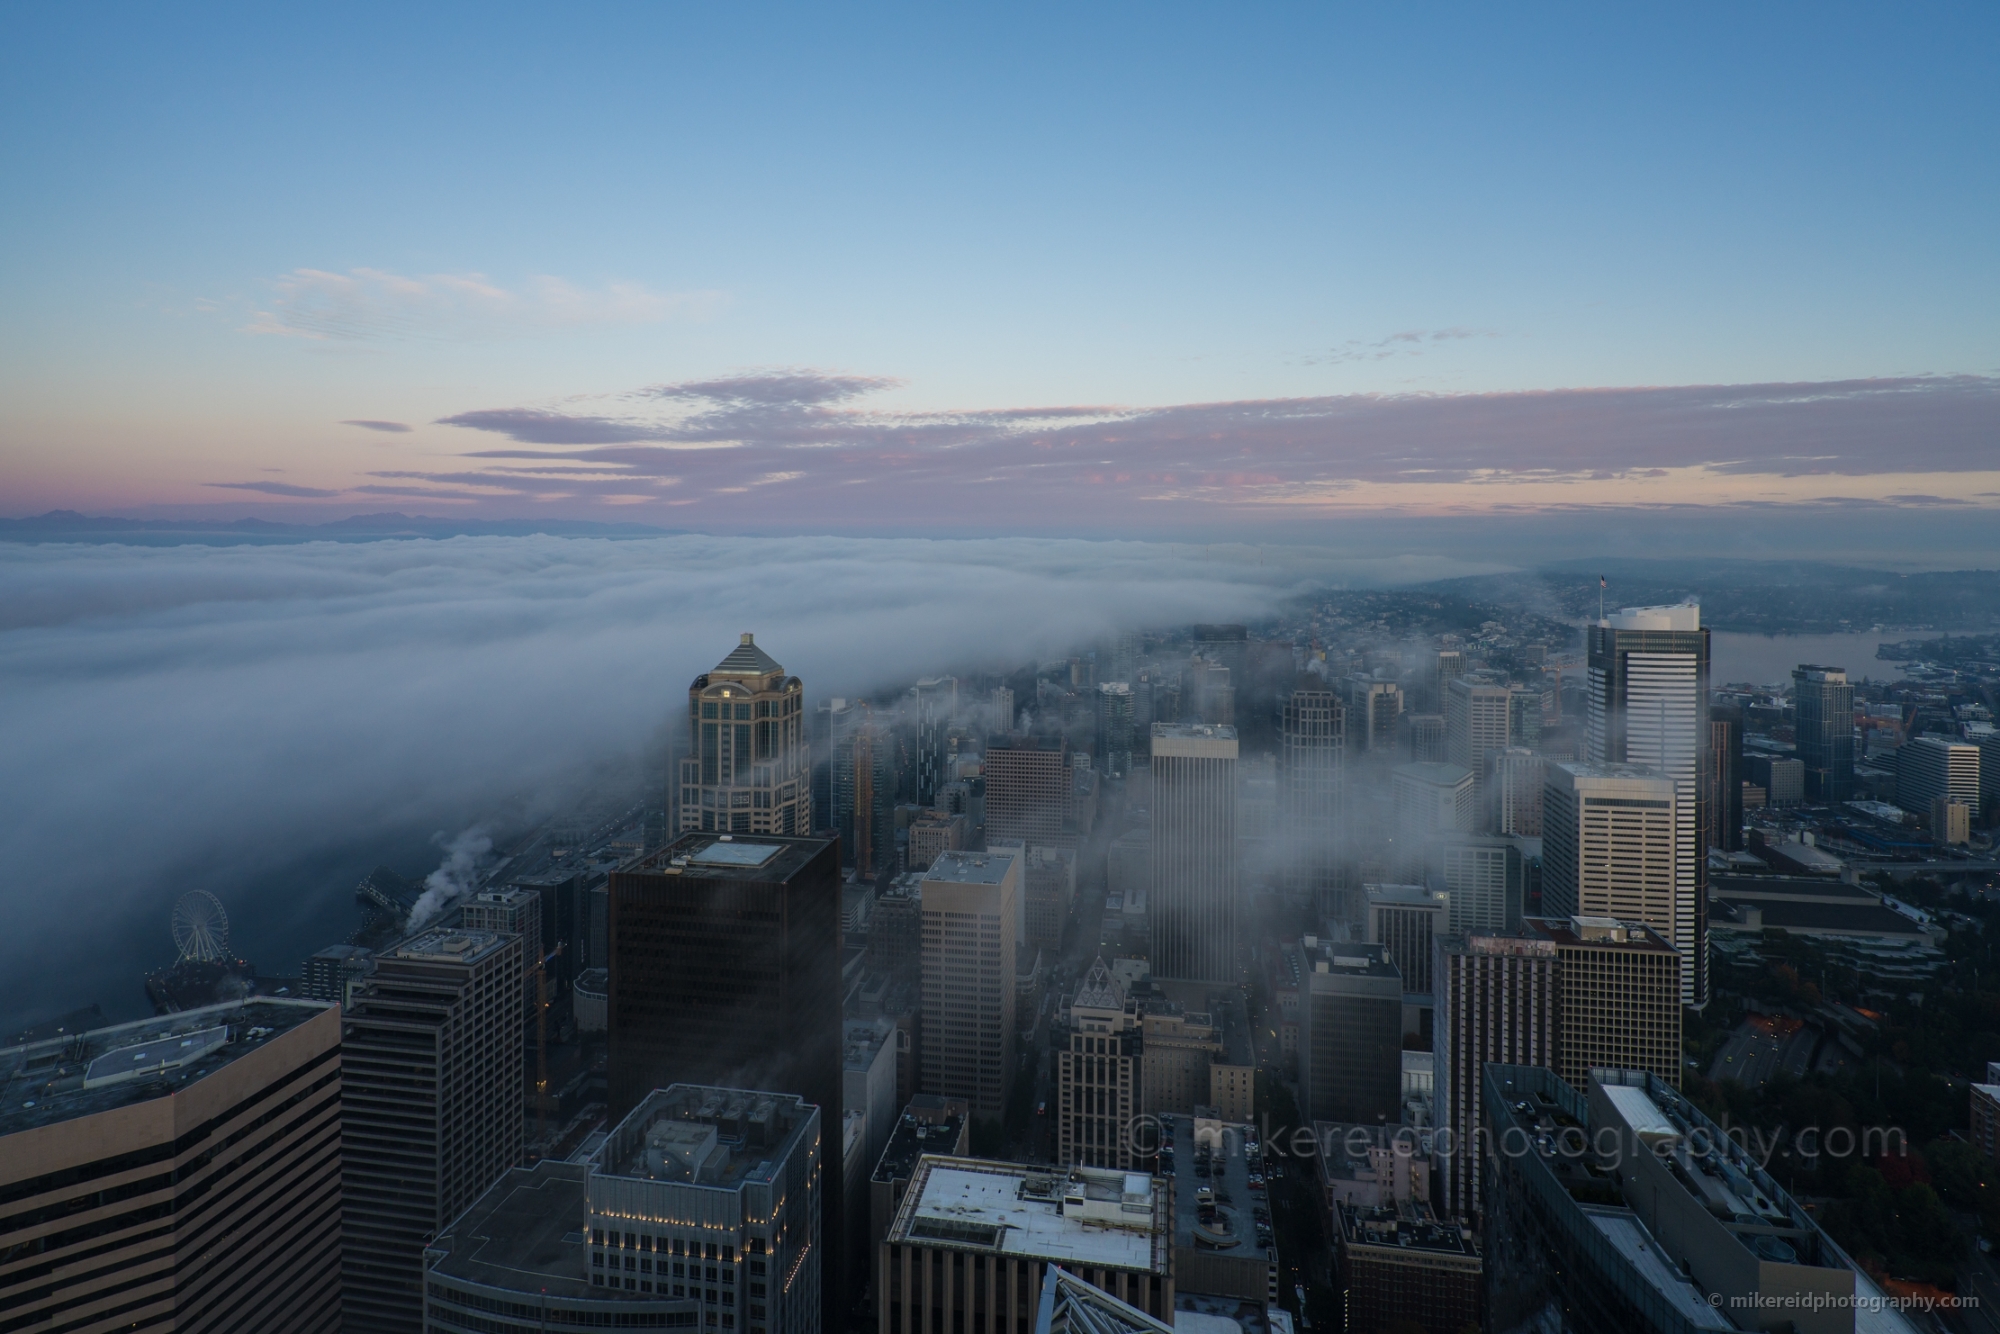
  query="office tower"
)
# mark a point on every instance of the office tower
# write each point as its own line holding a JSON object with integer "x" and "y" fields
{"x": 932, "y": 832}
{"x": 933, "y": 702}
{"x": 979, "y": 1239}
{"x": 971, "y": 914}
{"x": 1124, "y": 656}
{"x": 1618, "y": 989}
{"x": 1404, "y": 919}
{"x": 832, "y": 719}
{"x": 1350, "y": 1033}
{"x": 1823, "y": 722}
{"x": 1373, "y": 707}
{"x": 750, "y": 770}
{"x": 1951, "y": 822}
{"x": 1398, "y": 1266}
{"x": 135, "y": 1200}
{"x": 1114, "y": 728}
{"x": 1610, "y": 847}
{"x": 1725, "y": 778}
{"x": 1097, "y": 1076}
{"x": 1931, "y": 767}
{"x": 725, "y": 970}
{"x": 430, "y": 1110}
{"x": 1517, "y": 779}
{"x": 515, "y": 911}
{"x": 1427, "y": 741}
{"x": 1211, "y": 691}
{"x": 1003, "y": 710}
{"x": 1782, "y": 778}
{"x": 720, "y": 1193}
{"x": 1048, "y": 886}
{"x": 1524, "y": 716}
{"x": 1475, "y": 724}
{"x": 896, "y": 927}
{"x": 1192, "y": 907}
{"x": 1028, "y": 790}
{"x": 1648, "y": 704}
{"x": 1228, "y": 645}
{"x": 1496, "y": 1001}
{"x": 1311, "y": 769}
{"x": 1483, "y": 876}
{"x": 1450, "y": 665}
{"x": 1432, "y": 801}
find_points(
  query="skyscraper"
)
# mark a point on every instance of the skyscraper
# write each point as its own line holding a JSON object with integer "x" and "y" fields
{"x": 135, "y": 1199}
{"x": 1311, "y": 763}
{"x": 750, "y": 769}
{"x": 1475, "y": 724}
{"x": 1617, "y": 997}
{"x": 971, "y": 913}
{"x": 1611, "y": 846}
{"x": 1372, "y": 710}
{"x": 1431, "y": 801}
{"x": 1350, "y": 1033}
{"x": 1405, "y": 919}
{"x": 1028, "y": 790}
{"x": 832, "y": 720}
{"x": 1725, "y": 779}
{"x": 1648, "y": 704}
{"x": 1192, "y": 907}
{"x": 1933, "y": 768}
{"x": 1496, "y": 1001}
{"x": 933, "y": 701}
{"x": 1098, "y": 1076}
{"x": 431, "y": 1110}
{"x": 1450, "y": 665}
{"x": 1823, "y": 722}
{"x": 725, "y": 971}
{"x": 1114, "y": 728}
{"x": 1517, "y": 779}
{"x": 1482, "y": 874}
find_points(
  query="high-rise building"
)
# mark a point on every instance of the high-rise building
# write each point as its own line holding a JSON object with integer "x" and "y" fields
{"x": 1725, "y": 778}
{"x": 1449, "y": 667}
{"x": 1404, "y": 919}
{"x": 1496, "y": 1001}
{"x": 1350, "y": 1033}
{"x": 1114, "y": 728}
{"x": 431, "y": 1110}
{"x": 896, "y": 927}
{"x": 1524, "y": 716}
{"x": 1618, "y": 989}
{"x": 932, "y": 832}
{"x": 332, "y": 974}
{"x": 1311, "y": 774}
{"x": 1648, "y": 704}
{"x": 1373, "y": 708}
{"x": 832, "y": 808}
{"x": 181, "y": 1172}
{"x": 1098, "y": 1076}
{"x": 1782, "y": 778}
{"x": 719, "y": 1193}
{"x": 1399, "y": 1266}
{"x": 1516, "y": 778}
{"x": 1932, "y": 767}
{"x": 1475, "y": 723}
{"x": 513, "y": 911}
{"x": 1427, "y": 739}
{"x": 1028, "y": 790}
{"x": 971, "y": 913}
{"x": 1003, "y": 709}
{"x": 1483, "y": 876}
{"x": 1823, "y": 722}
{"x": 1192, "y": 908}
{"x": 1048, "y": 888}
{"x": 1610, "y": 847}
{"x": 933, "y": 702}
{"x": 1432, "y": 801}
{"x": 725, "y": 971}
{"x": 750, "y": 767}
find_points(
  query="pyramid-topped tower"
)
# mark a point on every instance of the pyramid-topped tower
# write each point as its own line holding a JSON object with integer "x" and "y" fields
{"x": 748, "y": 769}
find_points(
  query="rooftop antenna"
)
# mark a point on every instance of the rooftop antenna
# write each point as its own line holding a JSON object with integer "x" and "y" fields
{"x": 1600, "y": 599}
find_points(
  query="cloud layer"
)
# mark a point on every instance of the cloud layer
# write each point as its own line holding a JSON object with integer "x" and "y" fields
{"x": 374, "y": 304}
{"x": 220, "y": 717}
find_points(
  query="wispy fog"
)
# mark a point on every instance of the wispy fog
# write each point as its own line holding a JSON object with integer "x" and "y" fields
{"x": 266, "y": 722}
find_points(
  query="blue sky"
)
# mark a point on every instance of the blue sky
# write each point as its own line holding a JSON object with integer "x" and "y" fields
{"x": 230, "y": 230}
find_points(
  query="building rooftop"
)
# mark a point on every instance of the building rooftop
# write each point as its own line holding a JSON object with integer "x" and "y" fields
{"x": 746, "y": 659}
{"x": 1585, "y": 931}
{"x": 753, "y": 858}
{"x": 1193, "y": 732}
{"x": 1081, "y": 1215}
{"x": 452, "y": 945}
{"x": 970, "y": 868}
{"x": 1214, "y": 1206}
{"x": 696, "y": 1135}
{"x": 1406, "y": 1226}
{"x": 1435, "y": 772}
{"x": 916, "y": 1136}
{"x": 862, "y": 1041}
{"x": 81, "y": 1074}
{"x": 1407, "y": 896}
{"x": 1622, "y": 1229}
{"x": 525, "y": 1234}
{"x": 1680, "y": 616}
{"x": 1349, "y": 958}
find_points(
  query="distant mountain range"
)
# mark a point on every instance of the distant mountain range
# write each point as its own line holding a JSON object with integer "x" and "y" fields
{"x": 69, "y": 526}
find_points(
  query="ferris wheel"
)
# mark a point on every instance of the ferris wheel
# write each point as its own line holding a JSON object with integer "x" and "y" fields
{"x": 201, "y": 928}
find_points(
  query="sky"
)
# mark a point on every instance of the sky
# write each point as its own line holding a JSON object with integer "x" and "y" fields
{"x": 1117, "y": 271}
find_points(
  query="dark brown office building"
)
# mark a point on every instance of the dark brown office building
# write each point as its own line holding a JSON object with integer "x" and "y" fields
{"x": 725, "y": 971}
{"x": 178, "y": 1173}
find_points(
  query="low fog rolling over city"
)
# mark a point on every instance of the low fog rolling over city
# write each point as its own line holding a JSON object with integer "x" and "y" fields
{"x": 1022, "y": 671}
